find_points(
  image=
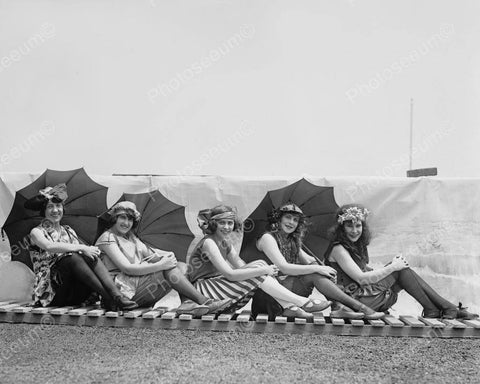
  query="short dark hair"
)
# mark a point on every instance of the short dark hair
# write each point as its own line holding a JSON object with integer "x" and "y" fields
{"x": 212, "y": 224}
{"x": 43, "y": 208}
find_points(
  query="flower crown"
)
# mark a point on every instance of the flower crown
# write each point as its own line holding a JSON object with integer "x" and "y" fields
{"x": 353, "y": 214}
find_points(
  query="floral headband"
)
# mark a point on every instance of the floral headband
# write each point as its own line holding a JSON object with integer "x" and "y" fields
{"x": 58, "y": 192}
{"x": 205, "y": 217}
{"x": 353, "y": 214}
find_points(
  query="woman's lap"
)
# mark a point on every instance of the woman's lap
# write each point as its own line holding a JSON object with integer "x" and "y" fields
{"x": 381, "y": 295}
{"x": 219, "y": 288}
{"x": 150, "y": 288}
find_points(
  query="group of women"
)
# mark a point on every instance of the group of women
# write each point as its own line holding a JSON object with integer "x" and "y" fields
{"x": 126, "y": 273}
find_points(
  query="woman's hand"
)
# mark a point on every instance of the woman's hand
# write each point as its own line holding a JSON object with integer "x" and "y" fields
{"x": 327, "y": 271}
{"x": 271, "y": 270}
{"x": 90, "y": 251}
{"x": 399, "y": 262}
{"x": 168, "y": 261}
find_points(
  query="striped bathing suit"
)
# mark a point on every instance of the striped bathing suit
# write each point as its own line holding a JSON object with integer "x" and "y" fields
{"x": 211, "y": 284}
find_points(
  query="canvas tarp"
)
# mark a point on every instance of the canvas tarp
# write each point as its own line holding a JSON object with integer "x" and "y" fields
{"x": 435, "y": 222}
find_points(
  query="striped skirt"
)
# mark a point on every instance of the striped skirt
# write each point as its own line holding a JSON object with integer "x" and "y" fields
{"x": 219, "y": 288}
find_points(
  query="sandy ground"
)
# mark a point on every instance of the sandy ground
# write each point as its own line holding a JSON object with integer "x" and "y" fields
{"x": 57, "y": 354}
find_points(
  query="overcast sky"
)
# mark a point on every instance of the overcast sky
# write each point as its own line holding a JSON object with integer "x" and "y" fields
{"x": 255, "y": 88}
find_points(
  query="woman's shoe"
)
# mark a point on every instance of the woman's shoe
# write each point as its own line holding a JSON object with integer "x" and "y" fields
{"x": 189, "y": 307}
{"x": 433, "y": 313}
{"x": 217, "y": 306}
{"x": 343, "y": 312}
{"x": 458, "y": 313}
{"x": 122, "y": 303}
{"x": 370, "y": 314}
{"x": 295, "y": 311}
{"x": 316, "y": 305}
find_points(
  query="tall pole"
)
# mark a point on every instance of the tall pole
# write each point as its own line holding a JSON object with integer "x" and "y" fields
{"x": 411, "y": 131}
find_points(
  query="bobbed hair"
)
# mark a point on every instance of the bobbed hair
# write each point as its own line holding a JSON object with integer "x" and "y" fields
{"x": 212, "y": 223}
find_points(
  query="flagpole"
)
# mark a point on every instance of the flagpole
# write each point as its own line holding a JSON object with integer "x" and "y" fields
{"x": 411, "y": 131}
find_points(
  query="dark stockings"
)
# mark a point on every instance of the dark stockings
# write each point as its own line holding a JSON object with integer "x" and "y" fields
{"x": 434, "y": 297}
{"x": 93, "y": 274}
{"x": 420, "y": 290}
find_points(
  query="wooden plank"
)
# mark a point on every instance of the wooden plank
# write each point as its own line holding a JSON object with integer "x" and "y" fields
{"x": 224, "y": 318}
{"x": 472, "y": 323}
{"x": 185, "y": 317}
{"x": 153, "y": 314}
{"x": 280, "y": 320}
{"x": 412, "y": 321}
{"x": 112, "y": 314}
{"x": 9, "y": 307}
{"x": 22, "y": 309}
{"x": 79, "y": 311}
{"x": 454, "y": 323}
{"x": 376, "y": 323}
{"x": 393, "y": 321}
{"x": 261, "y": 318}
{"x": 168, "y": 315}
{"x": 243, "y": 318}
{"x": 135, "y": 313}
{"x": 337, "y": 322}
{"x": 95, "y": 312}
{"x": 299, "y": 320}
{"x": 42, "y": 310}
{"x": 208, "y": 318}
{"x": 61, "y": 310}
{"x": 320, "y": 320}
{"x": 434, "y": 323}
{"x": 357, "y": 322}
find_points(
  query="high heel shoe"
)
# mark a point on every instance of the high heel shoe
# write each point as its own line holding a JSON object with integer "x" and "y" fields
{"x": 459, "y": 312}
{"x": 295, "y": 311}
{"x": 217, "y": 306}
{"x": 121, "y": 302}
{"x": 189, "y": 307}
{"x": 370, "y": 314}
{"x": 344, "y": 312}
{"x": 316, "y": 305}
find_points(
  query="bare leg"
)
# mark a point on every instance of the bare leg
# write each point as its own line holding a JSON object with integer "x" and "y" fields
{"x": 284, "y": 297}
{"x": 178, "y": 281}
{"x": 328, "y": 288}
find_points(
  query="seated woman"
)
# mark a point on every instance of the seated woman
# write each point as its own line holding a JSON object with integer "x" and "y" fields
{"x": 66, "y": 271}
{"x": 146, "y": 275}
{"x": 379, "y": 288}
{"x": 300, "y": 272}
{"x": 218, "y": 272}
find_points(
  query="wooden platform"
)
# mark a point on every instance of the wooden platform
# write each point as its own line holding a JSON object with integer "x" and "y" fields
{"x": 161, "y": 318}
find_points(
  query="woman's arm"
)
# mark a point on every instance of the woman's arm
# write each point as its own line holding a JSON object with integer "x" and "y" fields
{"x": 39, "y": 239}
{"x": 268, "y": 245}
{"x": 211, "y": 250}
{"x": 341, "y": 256}
{"x": 117, "y": 257}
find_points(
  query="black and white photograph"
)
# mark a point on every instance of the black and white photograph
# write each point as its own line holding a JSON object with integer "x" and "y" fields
{"x": 239, "y": 191}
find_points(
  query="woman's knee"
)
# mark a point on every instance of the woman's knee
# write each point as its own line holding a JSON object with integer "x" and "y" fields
{"x": 182, "y": 267}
